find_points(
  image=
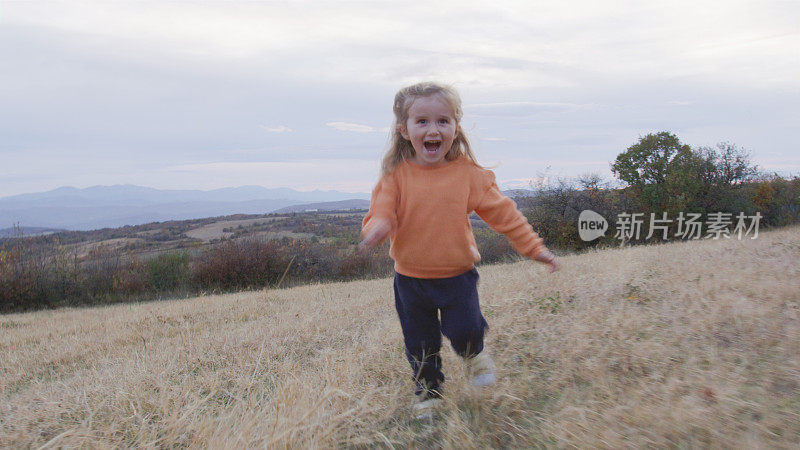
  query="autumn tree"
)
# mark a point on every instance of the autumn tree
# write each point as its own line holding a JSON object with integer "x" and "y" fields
{"x": 654, "y": 168}
{"x": 665, "y": 175}
{"x": 723, "y": 170}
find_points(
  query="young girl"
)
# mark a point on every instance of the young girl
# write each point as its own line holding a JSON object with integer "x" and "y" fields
{"x": 430, "y": 184}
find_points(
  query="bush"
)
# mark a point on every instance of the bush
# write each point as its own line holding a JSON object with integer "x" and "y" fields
{"x": 241, "y": 264}
{"x": 169, "y": 272}
{"x": 492, "y": 246}
{"x": 31, "y": 279}
{"x": 372, "y": 263}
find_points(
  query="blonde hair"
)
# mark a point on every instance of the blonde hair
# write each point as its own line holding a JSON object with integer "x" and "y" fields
{"x": 400, "y": 148}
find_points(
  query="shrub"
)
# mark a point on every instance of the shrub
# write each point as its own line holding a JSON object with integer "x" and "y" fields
{"x": 492, "y": 246}
{"x": 239, "y": 264}
{"x": 371, "y": 263}
{"x": 168, "y": 272}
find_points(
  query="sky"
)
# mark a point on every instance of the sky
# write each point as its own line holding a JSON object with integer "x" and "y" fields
{"x": 211, "y": 94}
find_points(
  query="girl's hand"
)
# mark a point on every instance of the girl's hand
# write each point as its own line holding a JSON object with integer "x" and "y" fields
{"x": 548, "y": 258}
{"x": 378, "y": 231}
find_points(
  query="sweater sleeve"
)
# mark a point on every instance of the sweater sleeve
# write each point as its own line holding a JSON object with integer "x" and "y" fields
{"x": 383, "y": 205}
{"x": 502, "y": 215}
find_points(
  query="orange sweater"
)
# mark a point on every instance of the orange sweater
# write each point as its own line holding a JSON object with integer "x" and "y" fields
{"x": 428, "y": 209}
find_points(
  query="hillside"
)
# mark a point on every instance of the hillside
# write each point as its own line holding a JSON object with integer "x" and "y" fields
{"x": 344, "y": 205}
{"x": 693, "y": 344}
{"x": 160, "y": 237}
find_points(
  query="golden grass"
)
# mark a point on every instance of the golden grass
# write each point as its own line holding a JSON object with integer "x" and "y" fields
{"x": 214, "y": 230}
{"x": 685, "y": 344}
{"x": 110, "y": 245}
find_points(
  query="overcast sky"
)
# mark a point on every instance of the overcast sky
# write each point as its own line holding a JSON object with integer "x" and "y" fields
{"x": 202, "y": 95}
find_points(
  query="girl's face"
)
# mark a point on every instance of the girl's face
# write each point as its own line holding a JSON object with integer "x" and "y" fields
{"x": 431, "y": 127}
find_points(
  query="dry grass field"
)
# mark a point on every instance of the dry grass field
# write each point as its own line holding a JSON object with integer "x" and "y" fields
{"x": 692, "y": 344}
{"x": 83, "y": 250}
{"x": 215, "y": 230}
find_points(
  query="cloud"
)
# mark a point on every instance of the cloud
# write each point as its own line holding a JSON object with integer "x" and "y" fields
{"x": 138, "y": 86}
{"x": 525, "y": 108}
{"x": 522, "y": 45}
{"x": 353, "y": 127}
{"x": 524, "y": 103}
{"x": 305, "y": 174}
{"x": 278, "y": 129}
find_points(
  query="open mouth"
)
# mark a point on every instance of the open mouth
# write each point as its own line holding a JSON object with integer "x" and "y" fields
{"x": 432, "y": 146}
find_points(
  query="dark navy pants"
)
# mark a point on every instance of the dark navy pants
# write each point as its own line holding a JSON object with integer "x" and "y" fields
{"x": 419, "y": 303}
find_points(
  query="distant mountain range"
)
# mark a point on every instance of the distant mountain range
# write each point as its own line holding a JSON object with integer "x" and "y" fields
{"x": 69, "y": 208}
{"x": 26, "y": 231}
{"x": 115, "y": 206}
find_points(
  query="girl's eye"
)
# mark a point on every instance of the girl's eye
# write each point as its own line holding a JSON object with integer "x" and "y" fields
{"x": 444, "y": 121}
{"x": 421, "y": 121}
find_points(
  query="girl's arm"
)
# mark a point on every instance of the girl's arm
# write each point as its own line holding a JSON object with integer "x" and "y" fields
{"x": 381, "y": 220}
{"x": 502, "y": 215}
{"x": 548, "y": 258}
{"x": 377, "y": 232}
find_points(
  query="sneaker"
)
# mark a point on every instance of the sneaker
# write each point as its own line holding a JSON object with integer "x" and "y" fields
{"x": 425, "y": 406}
{"x": 482, "y": 370}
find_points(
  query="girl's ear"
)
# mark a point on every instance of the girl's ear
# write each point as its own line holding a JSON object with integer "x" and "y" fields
{"x": 403, "y": 132}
